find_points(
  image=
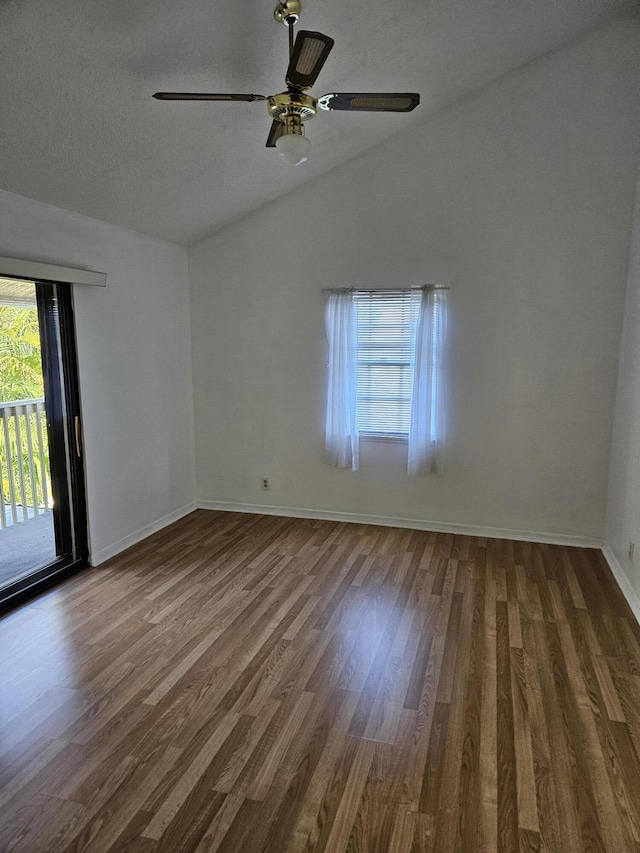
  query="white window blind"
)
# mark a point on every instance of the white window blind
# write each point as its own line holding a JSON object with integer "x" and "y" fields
{"x": 386, "y": 323}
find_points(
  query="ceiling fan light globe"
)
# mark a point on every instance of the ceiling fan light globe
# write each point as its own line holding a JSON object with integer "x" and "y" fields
{"x": 293, "y": 148}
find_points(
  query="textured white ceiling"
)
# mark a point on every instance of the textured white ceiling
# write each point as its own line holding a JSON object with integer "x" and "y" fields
{"x": 80, "y": 130}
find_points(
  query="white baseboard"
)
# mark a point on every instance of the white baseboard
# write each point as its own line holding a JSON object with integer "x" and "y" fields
{"x": 633, "y": 599}
{"x": 412, "y": 523}
{"x": 98, "y": 557}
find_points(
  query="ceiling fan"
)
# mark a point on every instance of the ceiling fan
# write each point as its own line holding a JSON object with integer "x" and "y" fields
{"x": 291, "y": 109}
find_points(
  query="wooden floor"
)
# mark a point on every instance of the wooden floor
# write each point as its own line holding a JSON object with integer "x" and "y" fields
{"x": 242, "y": 683}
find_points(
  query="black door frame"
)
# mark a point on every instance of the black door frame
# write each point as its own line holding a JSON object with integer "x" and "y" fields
{"x": 62, "y": 405}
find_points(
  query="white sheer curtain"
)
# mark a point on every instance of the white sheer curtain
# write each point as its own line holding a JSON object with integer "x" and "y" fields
{"x": 341, "y": 428}
{"x": 426, "y": 431}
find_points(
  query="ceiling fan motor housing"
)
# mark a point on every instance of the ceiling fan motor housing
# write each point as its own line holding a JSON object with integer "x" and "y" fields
{"x": 292, "y": 108}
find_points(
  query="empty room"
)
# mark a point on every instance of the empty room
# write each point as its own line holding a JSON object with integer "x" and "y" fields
{"x": 320, "y": 433}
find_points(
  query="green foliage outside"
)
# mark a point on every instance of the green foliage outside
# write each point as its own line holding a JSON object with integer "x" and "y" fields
{"x": 20, "y": 365}
{"x": 21, "y": 379}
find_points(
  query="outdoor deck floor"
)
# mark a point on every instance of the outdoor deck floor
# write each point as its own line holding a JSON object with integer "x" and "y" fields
{"x": 25, "y": 547}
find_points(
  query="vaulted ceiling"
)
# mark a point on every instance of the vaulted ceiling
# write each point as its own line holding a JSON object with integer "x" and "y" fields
{"x": 80, "y": 130}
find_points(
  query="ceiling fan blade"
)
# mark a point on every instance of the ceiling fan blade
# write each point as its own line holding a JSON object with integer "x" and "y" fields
{"x": 310, "y": 53}
{"x": 377, "y": 102}
{"x": 277, "y": 129}
{"x": 195, "y": 96}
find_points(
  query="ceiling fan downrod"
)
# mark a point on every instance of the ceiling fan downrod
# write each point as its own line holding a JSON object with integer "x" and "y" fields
{"x": 288, "y": 13}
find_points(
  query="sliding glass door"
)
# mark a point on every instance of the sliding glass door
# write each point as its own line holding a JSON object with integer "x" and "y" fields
{"x": 43, "y": 530}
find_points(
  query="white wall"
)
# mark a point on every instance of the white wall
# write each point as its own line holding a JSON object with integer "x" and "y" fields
{"x": 521, "y": 200}
{"x": 623, "y": 522}
{"x": 134, "y": 353}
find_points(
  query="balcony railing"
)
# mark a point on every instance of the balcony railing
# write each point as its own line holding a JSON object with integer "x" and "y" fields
{"x": 25, "y": 488}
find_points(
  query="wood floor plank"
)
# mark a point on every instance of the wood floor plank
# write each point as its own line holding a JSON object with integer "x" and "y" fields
{"x": 269, "y": 685}
{"x": 506, "y": 757}
{"x": 189, "y": 779}
{"x": 525, "y": 771}
{"x": 288, "y": 728}
{"x": 488, "y": 816}
{"x": 455, "y": 752}
{"x": 545, "y": 784}
{"x": 350, "y": 800}
{"x": 570, "y": 707}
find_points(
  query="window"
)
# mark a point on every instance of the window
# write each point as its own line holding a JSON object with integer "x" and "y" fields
{"x": 386, "y": 324}
{"x": 384, "y": 375}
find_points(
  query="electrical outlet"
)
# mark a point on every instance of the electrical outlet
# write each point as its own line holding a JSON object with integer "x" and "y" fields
{"x": 265, "y": 484}
{"x": 632, "y": 548}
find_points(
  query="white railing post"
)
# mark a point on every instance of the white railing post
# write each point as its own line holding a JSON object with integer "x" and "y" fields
{"x": 29, "y": 409}
{"x": 17, "y": 412}
{"x": 3, "y": 511}
{"x": 4, "y": 413}
{"x": 40, "y": 412}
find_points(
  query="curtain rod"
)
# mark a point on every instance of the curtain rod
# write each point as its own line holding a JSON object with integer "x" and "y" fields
{"x": 385, "y": 289}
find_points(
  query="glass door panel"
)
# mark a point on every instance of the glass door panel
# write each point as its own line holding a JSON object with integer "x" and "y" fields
{"x": 42, "y": 512}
